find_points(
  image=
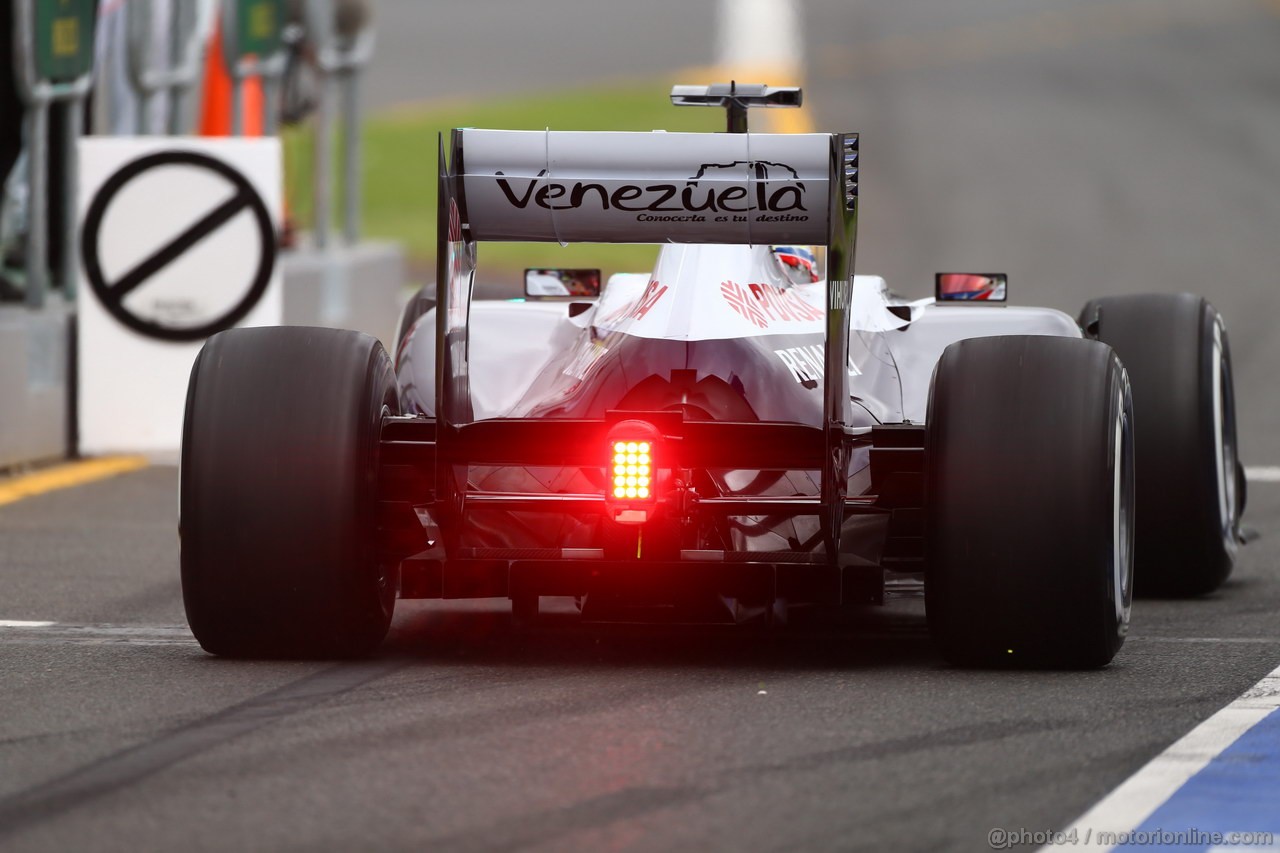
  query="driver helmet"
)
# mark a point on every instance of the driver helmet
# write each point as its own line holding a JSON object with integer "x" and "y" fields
{"x": 797, "y": 264}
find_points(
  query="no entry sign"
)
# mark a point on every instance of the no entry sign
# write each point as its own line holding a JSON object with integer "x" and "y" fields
{"x": 220, "y": 307}
{"x": 177, "y": 243}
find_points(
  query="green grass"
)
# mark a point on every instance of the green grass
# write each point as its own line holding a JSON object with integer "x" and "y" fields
{"x": 400, "y": 166}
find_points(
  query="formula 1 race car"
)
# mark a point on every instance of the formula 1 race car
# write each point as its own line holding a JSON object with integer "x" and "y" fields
{"x": 748, "y": 429}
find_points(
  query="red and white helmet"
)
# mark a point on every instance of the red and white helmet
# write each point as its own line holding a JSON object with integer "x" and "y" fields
{"x": 798, "y": 264}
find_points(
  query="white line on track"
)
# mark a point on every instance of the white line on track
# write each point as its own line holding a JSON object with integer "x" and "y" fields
{"x": 1127, "y": 807}
{"x": 1263, "y": 473}
{"x": 1260, "y": 641}
{"x": 50, "y": 633}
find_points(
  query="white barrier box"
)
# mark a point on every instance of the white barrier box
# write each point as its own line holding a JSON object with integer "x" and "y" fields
{"x": 177, "y": 242}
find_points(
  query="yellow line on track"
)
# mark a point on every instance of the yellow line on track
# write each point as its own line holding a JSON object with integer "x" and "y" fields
{"x": 66, "y": 476}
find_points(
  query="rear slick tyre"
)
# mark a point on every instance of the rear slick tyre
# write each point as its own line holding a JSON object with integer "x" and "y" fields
{"x": 278, "y": 493}
{"x": 1029, "y": 503}
{"x": 1190, "y": 490}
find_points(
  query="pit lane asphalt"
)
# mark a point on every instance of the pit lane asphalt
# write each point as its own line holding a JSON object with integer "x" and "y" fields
{"x": 463, "y": 735}
{"x": 1107, "y": 147}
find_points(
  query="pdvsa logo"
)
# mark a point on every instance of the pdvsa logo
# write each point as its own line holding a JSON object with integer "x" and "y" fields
{"x": 765, "y": 304}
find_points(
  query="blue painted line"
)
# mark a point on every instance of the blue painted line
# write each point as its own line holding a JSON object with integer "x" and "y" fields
{"x": 1236, "y": 792}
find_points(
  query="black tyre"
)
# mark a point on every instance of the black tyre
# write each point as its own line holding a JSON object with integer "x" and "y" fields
{"x": 1029, "y": 502}
{"x": 422, "y": 301}
{"x": 1190, "y": 489}
{"x": 279, "y": 504}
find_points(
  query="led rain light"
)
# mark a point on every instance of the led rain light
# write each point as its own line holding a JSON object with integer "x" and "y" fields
{"x": 632, "y": 449}
{"x": 632, "y": 470}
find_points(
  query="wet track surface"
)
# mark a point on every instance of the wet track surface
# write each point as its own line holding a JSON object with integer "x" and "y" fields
{"x": 1085, "y": 149}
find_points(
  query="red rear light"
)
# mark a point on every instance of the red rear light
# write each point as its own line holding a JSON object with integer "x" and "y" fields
{"x": 631, "y": 493}
{"x": 632, "y": 470}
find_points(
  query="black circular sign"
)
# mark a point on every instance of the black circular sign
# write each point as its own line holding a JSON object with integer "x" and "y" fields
{"x": 112, "y": 294}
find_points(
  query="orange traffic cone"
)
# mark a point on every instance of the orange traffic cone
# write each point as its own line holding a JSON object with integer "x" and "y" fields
{"x": 215, "y": 119}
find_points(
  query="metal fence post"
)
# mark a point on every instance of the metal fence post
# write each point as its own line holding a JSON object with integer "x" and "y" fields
{"x": 186, "y": 48}
{"x": 71, "y": 180}
{"x": 341, "y": 56}
{"x": 237, "y": 105}
{"x": 138, "y": 16}
{"x": 351, "y": 155}
{"x": 37, "y": 207}
{"x": 173, "y": 77}
{"x": 322, "y": 201}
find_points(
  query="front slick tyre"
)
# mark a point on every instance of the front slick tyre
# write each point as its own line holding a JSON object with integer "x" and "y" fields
{"x": 1029, "y": 495}
{"x": 279, "y": 504}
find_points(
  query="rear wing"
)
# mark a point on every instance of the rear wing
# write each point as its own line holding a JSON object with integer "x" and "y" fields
{"x": 607, "y": 187}
{"x": 646, "y": 187}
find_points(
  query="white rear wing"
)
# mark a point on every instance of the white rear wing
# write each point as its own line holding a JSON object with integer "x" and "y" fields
{"x": 605, "y": 187}
{"x": 753, "y": 188}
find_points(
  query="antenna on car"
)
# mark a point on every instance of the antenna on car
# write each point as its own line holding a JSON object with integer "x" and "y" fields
{"x": 736, "y": 98}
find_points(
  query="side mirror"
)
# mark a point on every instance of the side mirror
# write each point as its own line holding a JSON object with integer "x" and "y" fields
{"x": 971, "y": 287}
{"x": 544, "y": 283}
